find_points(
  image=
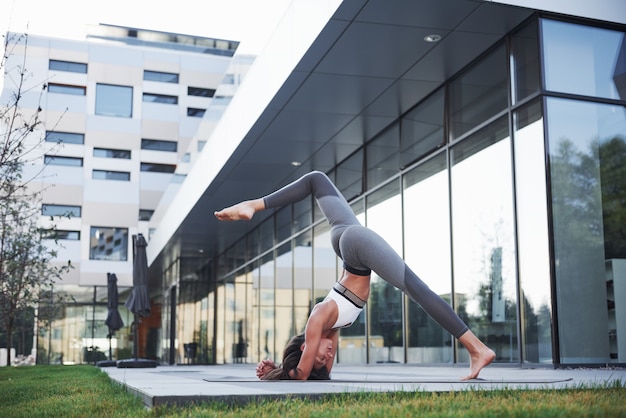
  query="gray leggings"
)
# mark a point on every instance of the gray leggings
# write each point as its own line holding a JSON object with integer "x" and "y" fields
{"x": 361, "y": 249}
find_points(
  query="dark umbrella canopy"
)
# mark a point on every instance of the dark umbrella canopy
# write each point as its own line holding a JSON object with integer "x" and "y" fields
{"x": 139, "y": 301}
{"x": 114, "y": 319}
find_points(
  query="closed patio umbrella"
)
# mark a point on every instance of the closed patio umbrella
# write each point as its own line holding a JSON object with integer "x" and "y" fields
{"x": 114, "y": 319}
{"x": 139, "y": 301}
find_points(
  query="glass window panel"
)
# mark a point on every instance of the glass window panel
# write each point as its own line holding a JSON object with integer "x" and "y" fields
{"x": 421, "y": 129}
{"x": 159, "y": 145}
{"x": 269, "y": 348}
{"x": 302, "y": 214}
{"x": 110, "y": 244}
{"x": 111, "y": 153}
{"x": 114, "y": 100}
{"x": 285, "y": 327}
{"x": 479, "y": 93}
{"x": 427, "y": 252}
{"x": 199, "y": 91}
{"x": 65, "y": 89}
{"x": 532, "y": 234}
{"x": 283, "y": 223}
{"x": 110, "y": 175}
{"x": 584, "y": 60}
{"x": 160, "y": 98}
{"x": 266, "y": 235}
{"x": 585, "y": 176}
{"x": 145, "y": 214}
{"x": 59, "y": 234}
{"x": 160, "y": 76}
{"x": 195, "y": 112}
{"x": 243, "y": 317}
{"x": 349, "y": 176}
{"x": 59, "y": 160}
{"x": 303, "y": 280}
{"x": 158, "y": 168}
{"x": 65, "y": 137}
{"x": 525, "y": 73}
{"x": 61, "y": 210}
{"x": 383, "y": 159}
{"x": 74, "y": 67}
{"x": 484, "y": 264}
{"x": 384, "y": 215}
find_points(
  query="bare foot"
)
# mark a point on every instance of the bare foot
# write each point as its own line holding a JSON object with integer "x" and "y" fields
{"x": 479, "y": 360}
{"x": 243, "y": 211}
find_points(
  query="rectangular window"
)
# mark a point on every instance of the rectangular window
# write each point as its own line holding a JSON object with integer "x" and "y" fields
{"x": 421, "y": 129}
{"x": 199, "y": 91}
{"x": 195, "y": 112}
{"x": 479, "y": 93}
{"x": 65, "y": 137}
{"x": 159, "y": 145}
{"x": 158, "y": 168}
{"x": 110, "y": 175}
{"x": 111, "y": 153}
{"x": 61, "y": 210}
{"x": 112, "y": 100}
{"x": 73, "y": 67}
{"x": 145, "y": 214}
{"x": 63, "y": 235}
{"x": 67, "y": 161}
{"x": 160, "y": 76}
{"x": 67, "y": 89}
{"x": 160, "y": 98}
{"x": 109, "y": 244}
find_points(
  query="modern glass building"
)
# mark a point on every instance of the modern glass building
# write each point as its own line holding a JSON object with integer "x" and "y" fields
{"x": 485, "y": 141}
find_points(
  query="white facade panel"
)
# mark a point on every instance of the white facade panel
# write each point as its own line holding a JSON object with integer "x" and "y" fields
{"x": 608, "y": 10}
{"x": 61, "y": 102}
{"x": 110, "y": 191}
{"x": 160, "y": 111}
{"x": 114, "y": 125}
{"x": 154, "y": 181}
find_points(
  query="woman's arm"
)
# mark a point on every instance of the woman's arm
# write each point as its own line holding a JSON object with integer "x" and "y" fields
{"x": 334, "y": 336}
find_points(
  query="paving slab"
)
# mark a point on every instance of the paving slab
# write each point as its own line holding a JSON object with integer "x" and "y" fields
{"x": 237, "y": 383}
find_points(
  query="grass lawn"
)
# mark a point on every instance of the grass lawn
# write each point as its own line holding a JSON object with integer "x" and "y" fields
{"x": 86, "y": 391}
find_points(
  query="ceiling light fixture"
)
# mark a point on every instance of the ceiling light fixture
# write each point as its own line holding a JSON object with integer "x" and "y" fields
{"x": 432, "y": 38}
{"x": 296, "y": 163}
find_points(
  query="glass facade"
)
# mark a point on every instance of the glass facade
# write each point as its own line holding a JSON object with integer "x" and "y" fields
{"x": 498, "y": 190}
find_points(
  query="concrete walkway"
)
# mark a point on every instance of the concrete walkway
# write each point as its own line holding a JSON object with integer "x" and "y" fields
{"x": 237, "y": 383}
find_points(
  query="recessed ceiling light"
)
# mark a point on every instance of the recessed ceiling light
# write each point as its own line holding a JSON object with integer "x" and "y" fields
{"x": 432, "y": 38}
{"x": 296, "y": 163}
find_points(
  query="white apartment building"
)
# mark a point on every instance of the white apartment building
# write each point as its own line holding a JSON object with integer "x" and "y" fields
{"x": 120, "y": 113}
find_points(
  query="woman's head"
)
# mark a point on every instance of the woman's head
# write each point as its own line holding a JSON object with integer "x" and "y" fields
{"x": 293, "y": 353}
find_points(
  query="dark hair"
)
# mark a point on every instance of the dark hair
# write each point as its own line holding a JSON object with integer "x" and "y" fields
{"x": 291, "y": 358}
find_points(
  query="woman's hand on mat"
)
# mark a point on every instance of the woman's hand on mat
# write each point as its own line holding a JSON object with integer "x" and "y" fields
{"x": 264, "y": 367}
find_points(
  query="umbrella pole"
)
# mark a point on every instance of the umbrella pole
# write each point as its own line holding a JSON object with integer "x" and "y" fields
{"x": 135, "y": 339}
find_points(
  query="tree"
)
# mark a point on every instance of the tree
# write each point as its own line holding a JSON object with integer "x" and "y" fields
{"x": 27, "y": 267}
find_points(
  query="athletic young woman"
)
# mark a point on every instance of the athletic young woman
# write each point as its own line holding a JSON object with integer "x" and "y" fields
{"x": 362, "y": 251}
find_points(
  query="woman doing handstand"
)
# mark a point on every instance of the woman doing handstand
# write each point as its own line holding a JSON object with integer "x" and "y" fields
{"x": 362, "y": 251}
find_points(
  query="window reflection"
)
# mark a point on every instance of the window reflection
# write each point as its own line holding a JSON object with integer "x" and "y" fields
{"x": 422, "y": 129}
{"x": 532, "y": 231}
{"x": 584, "y": 60}
{"x": 427, "y": 253}
{"x": 586, "y": 148}
{"x": 385, "y": 302}
{"x": 483, "y": 238}
{"x": 479, "y": 93}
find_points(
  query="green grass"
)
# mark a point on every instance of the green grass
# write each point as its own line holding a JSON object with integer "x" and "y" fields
{"x": 86, "y": 391}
